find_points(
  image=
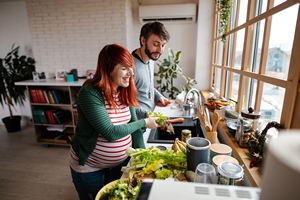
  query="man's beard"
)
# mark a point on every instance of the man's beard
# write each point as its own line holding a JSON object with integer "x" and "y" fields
{"x": 149, "y": 54}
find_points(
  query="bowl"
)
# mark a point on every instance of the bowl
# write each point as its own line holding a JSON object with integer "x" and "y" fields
{"x": 109, "y": 185}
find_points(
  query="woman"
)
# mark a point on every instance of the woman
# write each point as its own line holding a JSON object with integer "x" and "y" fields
{"x": 107, "y": 123}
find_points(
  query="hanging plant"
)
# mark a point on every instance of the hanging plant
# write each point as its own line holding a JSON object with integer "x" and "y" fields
{"x": 224, "y": 8}
{"x": 168, "y": 70}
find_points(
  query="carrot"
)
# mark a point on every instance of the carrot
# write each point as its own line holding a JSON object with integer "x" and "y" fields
{"x": 176, "y": 120}
{"x": 167, "y": 102}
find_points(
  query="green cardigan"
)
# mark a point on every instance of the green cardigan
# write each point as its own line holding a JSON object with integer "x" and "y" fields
{"x": 93, "y": 120}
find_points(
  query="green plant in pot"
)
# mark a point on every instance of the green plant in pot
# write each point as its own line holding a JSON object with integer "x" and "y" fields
{"x": 14, "y": 68}
{"x": 169, "y": 69}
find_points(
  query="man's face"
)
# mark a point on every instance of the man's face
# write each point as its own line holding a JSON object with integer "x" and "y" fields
{"x": 154, "y": 47}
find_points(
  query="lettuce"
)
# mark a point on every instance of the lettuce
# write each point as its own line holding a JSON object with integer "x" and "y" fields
{"x": 161, "y": 117}
{"x": 153, "y": 160}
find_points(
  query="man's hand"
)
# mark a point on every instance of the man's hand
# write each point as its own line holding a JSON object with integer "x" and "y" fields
{"x": 163, "y": 101}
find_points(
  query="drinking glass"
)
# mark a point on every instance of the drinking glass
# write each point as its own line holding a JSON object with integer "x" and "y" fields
{"x": 205, "y": 173}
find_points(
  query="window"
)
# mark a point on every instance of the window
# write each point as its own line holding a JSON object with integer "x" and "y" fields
{"x": 258, "y": 66}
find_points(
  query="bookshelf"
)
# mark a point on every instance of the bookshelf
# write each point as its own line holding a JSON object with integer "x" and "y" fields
{"x": 53, "y": 108}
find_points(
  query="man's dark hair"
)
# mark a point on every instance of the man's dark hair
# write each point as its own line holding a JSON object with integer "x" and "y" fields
{"x": 155, "y": 28}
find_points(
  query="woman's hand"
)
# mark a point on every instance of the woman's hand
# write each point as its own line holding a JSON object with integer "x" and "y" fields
{"x": 151, "y": 122}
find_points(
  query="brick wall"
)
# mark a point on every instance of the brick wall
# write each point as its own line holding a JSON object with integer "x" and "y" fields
{"x": 69, "y": 34}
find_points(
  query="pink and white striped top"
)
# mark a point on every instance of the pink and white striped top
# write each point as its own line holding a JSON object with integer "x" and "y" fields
{"x": 107, "y": 154}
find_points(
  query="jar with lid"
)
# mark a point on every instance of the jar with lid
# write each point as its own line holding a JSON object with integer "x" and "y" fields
{"x": 248, "y": 122}
{"x": 230, "y": 173}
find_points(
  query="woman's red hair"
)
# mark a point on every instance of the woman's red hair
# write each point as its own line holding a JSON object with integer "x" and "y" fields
{"x": 109, "y": 57}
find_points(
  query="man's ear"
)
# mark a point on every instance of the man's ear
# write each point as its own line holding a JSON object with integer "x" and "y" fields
{"x": 143, "y": 41}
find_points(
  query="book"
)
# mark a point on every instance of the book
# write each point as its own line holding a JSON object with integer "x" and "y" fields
{"x": 50, "y": 116}
{"x": 59, "y": 117}
{"x": 36, "y": 117}
{"x": 42, "y": 115}
{"x": 46, "y": 96}
{"x": 57, "y": 96}
{"x": 51, "y": 98}
{"x": 41, "y": 96}
{"x": 34, "y": 96}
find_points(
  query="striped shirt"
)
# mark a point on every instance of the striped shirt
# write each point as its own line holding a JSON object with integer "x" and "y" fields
{"x": 107, "y": 154}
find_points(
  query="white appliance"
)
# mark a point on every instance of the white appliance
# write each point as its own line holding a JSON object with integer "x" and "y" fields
{"x": 173, "y": 13}
{"x": 154, "y": 189}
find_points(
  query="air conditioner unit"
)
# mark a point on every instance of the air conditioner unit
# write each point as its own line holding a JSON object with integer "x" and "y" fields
{"x": 173, "y": 13}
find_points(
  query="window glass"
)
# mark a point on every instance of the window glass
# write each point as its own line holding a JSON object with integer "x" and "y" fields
{"x": 243, "y": 12}
{"x": 239, "y": 49}
{"x": 229, "y": 49}
{"x": 259, "y": 32}
{"x": 252, "y": 93}
{"x": 281, "y": 41}
{"x": 272, "y": 102}
{"x": 219, "y": 52}
{"x": 235, "y": 87}
{"x": 261, "y": 7}
{"x": 278, "y": 2}
{"x": 233, "y": 13}
{"x": 217, "y": 33}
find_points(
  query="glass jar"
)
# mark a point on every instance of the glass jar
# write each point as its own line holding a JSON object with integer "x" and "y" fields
{"x": 249, "y": 121}
{"x": 185, "y": 135}
{"x": 230, "y": 173}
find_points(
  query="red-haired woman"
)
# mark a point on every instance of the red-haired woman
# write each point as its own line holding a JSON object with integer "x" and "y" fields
{"x": 107, "y": 123}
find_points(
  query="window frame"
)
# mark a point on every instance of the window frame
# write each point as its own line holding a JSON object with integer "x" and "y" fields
{"x": 291, "y": 84}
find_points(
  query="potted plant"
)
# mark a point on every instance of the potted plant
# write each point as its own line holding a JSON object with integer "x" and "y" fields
{"x": 14, "y": 68}
{"x": 168, "y": 70}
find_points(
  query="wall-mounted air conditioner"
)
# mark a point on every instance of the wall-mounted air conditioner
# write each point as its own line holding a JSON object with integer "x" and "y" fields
{"x": 173, "y": 13}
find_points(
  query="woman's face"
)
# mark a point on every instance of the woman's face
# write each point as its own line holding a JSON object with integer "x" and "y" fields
{"x": 120, "y": 76}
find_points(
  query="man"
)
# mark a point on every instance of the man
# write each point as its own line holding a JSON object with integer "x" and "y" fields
{"x": 153, "y": 38}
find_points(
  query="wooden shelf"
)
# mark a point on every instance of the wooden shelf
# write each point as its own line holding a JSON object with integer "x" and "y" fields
{"x": 67, "y": 91}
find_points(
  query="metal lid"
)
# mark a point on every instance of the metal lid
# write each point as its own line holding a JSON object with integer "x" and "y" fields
{"x": 230, "y": 170}
{"x": 250, "y": 113}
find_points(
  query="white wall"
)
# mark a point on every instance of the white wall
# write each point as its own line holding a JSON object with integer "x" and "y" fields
{"x": 67, "y": 34}
{"x": 15, "y": 30}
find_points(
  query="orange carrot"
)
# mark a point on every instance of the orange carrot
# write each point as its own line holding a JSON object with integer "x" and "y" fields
{"x": 176, "y": 120}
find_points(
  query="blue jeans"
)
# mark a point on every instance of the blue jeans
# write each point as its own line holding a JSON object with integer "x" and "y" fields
{"x": 88, "y": 185}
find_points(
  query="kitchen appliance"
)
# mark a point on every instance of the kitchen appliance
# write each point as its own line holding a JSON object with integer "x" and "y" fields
{"x": 154, "y": 189}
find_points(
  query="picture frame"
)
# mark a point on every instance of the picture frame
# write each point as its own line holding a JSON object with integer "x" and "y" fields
{"x": 90, "y": 73}
{"x": 60, "y": 73}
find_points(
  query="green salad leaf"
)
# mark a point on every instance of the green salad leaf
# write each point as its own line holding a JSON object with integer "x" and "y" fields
{"x": 154, "y": 160}
{"x": 161, "y": 117}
